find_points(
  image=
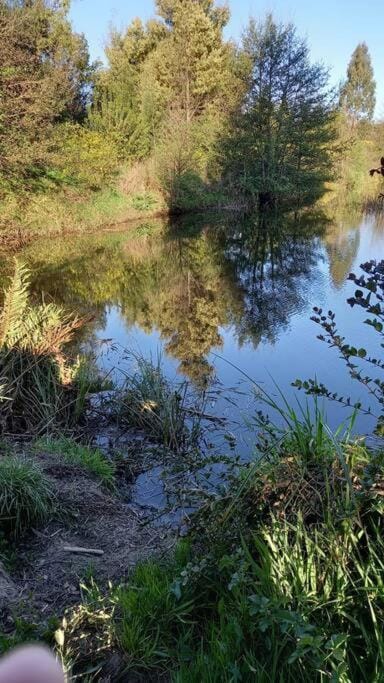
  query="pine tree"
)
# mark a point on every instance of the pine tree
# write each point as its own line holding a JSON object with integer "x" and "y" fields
{"x": 117, "y": 108}
{"x": 358, "y": 92}
{"x": 278, "y": 145}
{"x": 194, "y": 56}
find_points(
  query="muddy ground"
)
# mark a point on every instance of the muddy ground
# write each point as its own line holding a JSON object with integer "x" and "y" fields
{"x": 45, "y": 577}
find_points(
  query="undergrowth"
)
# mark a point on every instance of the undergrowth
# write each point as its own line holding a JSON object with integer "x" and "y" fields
{"x": 280, "y": 580}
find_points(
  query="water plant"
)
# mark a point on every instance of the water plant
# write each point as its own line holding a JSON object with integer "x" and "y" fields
{"x": 164, "y": 412}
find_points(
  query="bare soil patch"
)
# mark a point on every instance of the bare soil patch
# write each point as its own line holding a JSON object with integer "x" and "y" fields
{"x": 47, "y": 577}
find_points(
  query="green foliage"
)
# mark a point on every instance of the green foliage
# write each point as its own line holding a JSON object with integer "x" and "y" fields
{"x": 86, "y": 157}
{"x": 26, "y": 497}
{"x": 162, "y": 79}
{"x": 117, "y": 108}
{"x": 91, "y": 460}
{"x": 265, "y": 591}
{"x": 149, "y": 617}
{"x": 37, "y": 378}
{"x": 279, "y": 144}
{"x": 45, "y": 72}
{"x": 357, "y": 95}
{"x": 194, "y": 55}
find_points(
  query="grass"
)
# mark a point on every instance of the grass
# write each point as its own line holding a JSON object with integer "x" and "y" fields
{"x": 151, "y": 403}
{"x": 89, "y": 459}
{"x": 75, "y": 210}
{"x": 26, "y": 497}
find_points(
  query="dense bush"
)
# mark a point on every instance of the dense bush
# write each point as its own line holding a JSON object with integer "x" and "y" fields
{"x": 85, "y": 157}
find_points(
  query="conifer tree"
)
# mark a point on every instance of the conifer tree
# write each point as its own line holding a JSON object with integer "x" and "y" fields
{"x": 279, "y": 144}
{"x": 358, "y": 92}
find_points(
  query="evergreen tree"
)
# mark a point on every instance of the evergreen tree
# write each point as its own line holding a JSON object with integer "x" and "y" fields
{"x": 118, "y": 109}
{"x": 279, "y": 144}
{"x": 358, "y": 92}
{"x": 194, "y": 56}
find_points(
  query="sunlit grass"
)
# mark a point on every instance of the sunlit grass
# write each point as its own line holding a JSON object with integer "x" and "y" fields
{"x": 26, "y": 496}
{"x": 89, "y": 459}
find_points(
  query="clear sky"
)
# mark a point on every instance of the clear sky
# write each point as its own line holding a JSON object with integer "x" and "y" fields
{"x": 333, "y": 27}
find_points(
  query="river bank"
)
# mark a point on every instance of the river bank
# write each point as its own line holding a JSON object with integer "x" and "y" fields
{"x": 280, "y": 572}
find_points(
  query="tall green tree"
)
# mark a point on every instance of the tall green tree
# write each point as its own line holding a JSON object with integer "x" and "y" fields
{"x": 195, "y": 55}
{"x": 122, "y": 105}
{"x": 195, "y": 71}
{"x": 279, "y": 145}
{"x": 358, "y": 92}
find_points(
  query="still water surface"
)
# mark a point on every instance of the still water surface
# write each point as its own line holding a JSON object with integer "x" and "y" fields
{"x": 219, "y": 298}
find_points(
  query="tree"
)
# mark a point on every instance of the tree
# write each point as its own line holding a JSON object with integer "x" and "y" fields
{"x": 194, "y": 56}
{"x": 358, "y": 92}
{"x": 119, "y": 108}
{"x": 278, "y": 147}
{"x": 196, "y": 76}
{"x": 43, "y": 80}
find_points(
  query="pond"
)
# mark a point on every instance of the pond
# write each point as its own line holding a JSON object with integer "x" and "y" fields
{"x": 223, "y": 300}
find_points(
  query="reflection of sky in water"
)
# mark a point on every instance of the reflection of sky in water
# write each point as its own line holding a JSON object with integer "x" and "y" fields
{"x": 270, "y": 338}
{"x": 295, "y": 352}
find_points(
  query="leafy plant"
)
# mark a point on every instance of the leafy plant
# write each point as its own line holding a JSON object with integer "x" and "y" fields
{"x": 370, "y": 297}
{"x": 37, "y": 378}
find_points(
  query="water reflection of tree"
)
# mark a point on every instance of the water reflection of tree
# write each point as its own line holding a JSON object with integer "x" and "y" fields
{"x": 187, "y": 283}
{"x": 342, "y": 240}
{"x": 273, "y": 256}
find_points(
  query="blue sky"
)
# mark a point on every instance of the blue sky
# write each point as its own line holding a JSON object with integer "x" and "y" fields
{"x": 333, "y": 27}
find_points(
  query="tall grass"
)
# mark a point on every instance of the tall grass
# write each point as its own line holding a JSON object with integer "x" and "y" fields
{"x": 151, "y": 403}
{"x": 26, "y": 497}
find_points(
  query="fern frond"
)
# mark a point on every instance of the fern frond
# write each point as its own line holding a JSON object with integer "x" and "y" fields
{"x": 15, "y": 304}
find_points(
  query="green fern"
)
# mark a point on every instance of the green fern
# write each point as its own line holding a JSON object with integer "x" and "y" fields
{"x": 42, "y": 329}
{"x": 36, "y": 378}
{"x": 15, "y": 303}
